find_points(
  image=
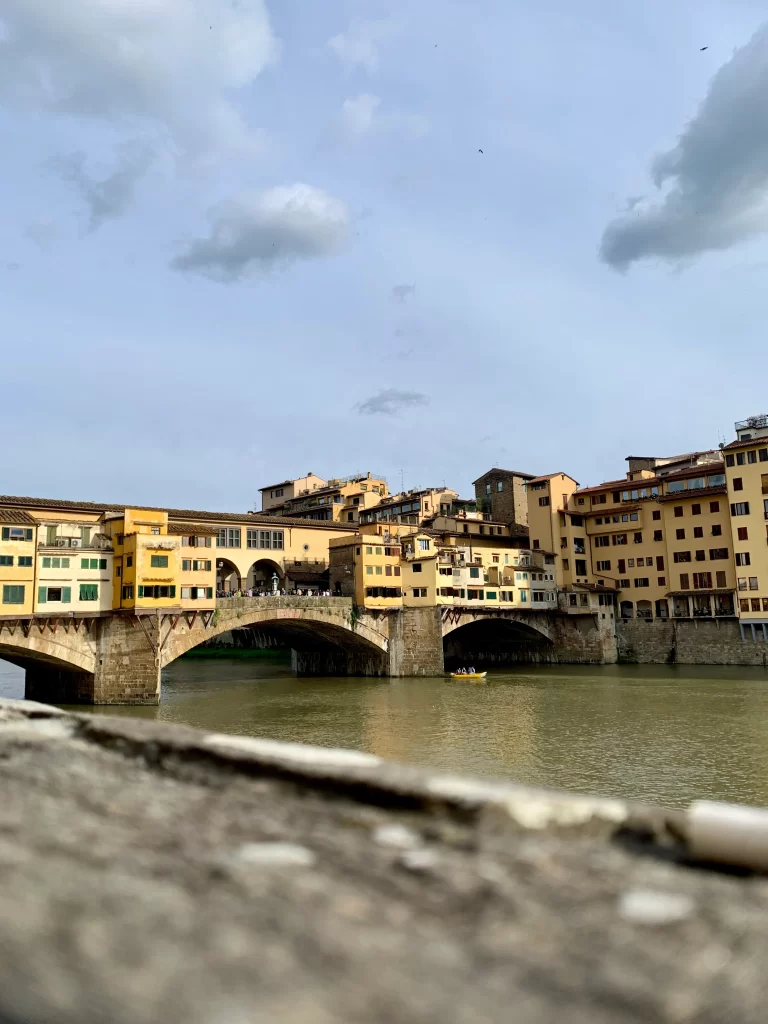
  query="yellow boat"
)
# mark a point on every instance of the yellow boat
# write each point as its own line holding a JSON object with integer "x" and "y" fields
{"x": 468, "y": 675}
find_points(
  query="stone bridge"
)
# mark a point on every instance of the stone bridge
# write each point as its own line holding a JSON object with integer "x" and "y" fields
{"x": 118, "y": 659}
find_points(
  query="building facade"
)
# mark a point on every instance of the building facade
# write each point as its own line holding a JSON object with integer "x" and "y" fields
{"x": 502, "y": 494}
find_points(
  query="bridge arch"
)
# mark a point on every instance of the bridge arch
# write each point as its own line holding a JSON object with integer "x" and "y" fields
{"x": 325, "y": 640}
{"x": 228, "y": 578}
{"x": 485, "y": 641}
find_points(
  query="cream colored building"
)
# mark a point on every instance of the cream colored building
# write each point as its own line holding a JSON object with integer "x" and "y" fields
{"x": 340, "y": 500}
{"x": 18, "y": 543}
{"x": 276, "y": 495}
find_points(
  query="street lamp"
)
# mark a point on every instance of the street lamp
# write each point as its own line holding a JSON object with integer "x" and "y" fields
{"x": 275, "y": 581}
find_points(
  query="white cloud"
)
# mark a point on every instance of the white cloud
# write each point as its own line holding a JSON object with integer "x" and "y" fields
{"x": 259, "y": 231}
{"x": 358, "y": 114}
{"x": 390, "y": 402}
{"x": 715, "y": 178}
{"x": 359, "y": 45}
{"x": 108, "y": 197}
{"x": 169, "y": 61}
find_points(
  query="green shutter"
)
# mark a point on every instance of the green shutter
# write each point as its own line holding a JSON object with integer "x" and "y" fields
{"x": 94, "y": 563}
{"x": 102, "y": 563}
{"x": 172, "y": 592}
{"x": 141, "y": 591}
{"x": 83, "y": 563}
{"x": 28, "y": 534}
{"x": 66, "y": 595}
{"x": 46, "y": 563}
{"x": 6, "y": 533}
{"x": 209, "y": 592}
{"x": 42, "y": 595}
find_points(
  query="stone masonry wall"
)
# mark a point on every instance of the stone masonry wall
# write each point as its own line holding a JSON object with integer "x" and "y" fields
{"x": 687, "y": 642}
{"x": 416, "y": 642}
{"x": 128, "y": 669}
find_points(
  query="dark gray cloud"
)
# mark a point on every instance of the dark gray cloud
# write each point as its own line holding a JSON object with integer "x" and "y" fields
{"x": 110, "y": 197}
{"x": 391, "y": 401}
{"x": 276, "y": 227}
{"x": 715, "y": 178}
{"x": 400, "y": 292}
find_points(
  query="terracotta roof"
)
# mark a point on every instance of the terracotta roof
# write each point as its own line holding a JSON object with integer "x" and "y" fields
{"x": 509, "y": 472}
{"x": 17, "y": 518}
{"x": 609, "y": 485}
{"x": 245, "y": 518}
{"x": 548, "y": 476}
{"x": 283, "y": 483}
{"x": 753, "y": 442}
{"x": 186, "y": 528}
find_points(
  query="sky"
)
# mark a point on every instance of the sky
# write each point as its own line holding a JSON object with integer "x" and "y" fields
{"x": 244, "y": 240}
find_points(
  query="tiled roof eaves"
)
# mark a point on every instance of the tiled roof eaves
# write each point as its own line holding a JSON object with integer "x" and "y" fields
{"x": 17, "y": 517}
{"x": 753, "y": 442}
{"x": 246, "y": 518}
{"x": 697, "y": 492}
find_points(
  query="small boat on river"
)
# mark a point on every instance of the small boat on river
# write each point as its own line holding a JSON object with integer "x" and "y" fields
{"x": 468, "y": 675}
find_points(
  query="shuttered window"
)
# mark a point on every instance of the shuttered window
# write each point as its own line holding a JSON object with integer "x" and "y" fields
{"x": 89, "y": 591}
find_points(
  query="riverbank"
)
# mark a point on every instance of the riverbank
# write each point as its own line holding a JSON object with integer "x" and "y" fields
{"x": 154, "y": 873}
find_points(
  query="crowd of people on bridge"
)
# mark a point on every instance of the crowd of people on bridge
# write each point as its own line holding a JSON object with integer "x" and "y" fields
{"x": 254, "y": 592}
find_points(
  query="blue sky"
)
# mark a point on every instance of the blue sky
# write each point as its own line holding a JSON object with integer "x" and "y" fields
{"x": 243, "y": 241}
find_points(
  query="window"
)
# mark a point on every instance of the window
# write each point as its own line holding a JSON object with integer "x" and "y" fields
{"x": 577, "y": 520}
{"x": 422, "y": 592}
{"x": 720, "y": 578}
{"x": 657, "y": 535}
{"x": 369, "y": 570}
{"x": 752, "y": 456}
{"x": 717, "y": 530}
{"x": 625, "y": 584}
{"x": 622, "y": 566}
{"x": 228, "y": 537}
{"x": 729, "y": 461}
{"x": 656, "y": 514}
{"x": 423, "y": 546}
{"x": 13, "y": 595}
{"x": 753, "y": 583}
{"x": 742, "y": 558}
{"x": 579, "y": 545}
{"x": 680, "y": 534}
{"x": 741, "y": 582}
{"x": 740, "y": 508}
{"x": 740, "y": 459}
{"x": 696, "y": 510}
{"x": 186, "y": 565}
{"x": 128, "y": 561}
{"x": 631, "y": 562}
{"x": 544, "y": 501}
{"x": 159, "y": 561}
{"x": 60, "y": 595}
{"x": 25, "y": 561}
{"x": 698, "y": 531}
{"x": 744, "y": 605}
{"x": 738, "y": 483}
{"x": 89, "y": 591}
{"x": 416, "y": 567}
{"x": 378, "y": 550}
{"x": 638, "y": 538}
{"x": 678, "y": 510}
{"x": 718, "y": 554}
{"x": 714, "y": 506}
{"x": 634, "y": 517}
{"x": 743, "y": 533}
{"x": 702, "y": 581}
{"x": 157, "y": 591}
{"x": 603, "y": 566}
{"x": 474, "y": 573}
{"x": 6, "y": 559}
{"x": 662, "y": 581}
{"x": 755, "y": 604}
{"x": 682, "y": 556}
{"x": 17, "y": 533}
{"x": 499, "y": 486}
{"x": 700, "y": 555}
{"x": 602, "y": 542}
{"x": 642, "y": 582}
{"x": 95, "y": 563}
{"x": 128, "y": 592}
{"x": 566, "y": 564}
{"x": 619, "y": 538}
{"x": 397, "y": 570}
{"x": 581, "y": 567}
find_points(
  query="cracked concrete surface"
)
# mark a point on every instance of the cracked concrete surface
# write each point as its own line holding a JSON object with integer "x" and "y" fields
{"x": 152, "y": 873}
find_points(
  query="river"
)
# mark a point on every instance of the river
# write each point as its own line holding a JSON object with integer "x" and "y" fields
{"x": 664, "y": 734}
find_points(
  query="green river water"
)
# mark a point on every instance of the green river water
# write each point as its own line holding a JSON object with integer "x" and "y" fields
{"x": 664, "y": 734}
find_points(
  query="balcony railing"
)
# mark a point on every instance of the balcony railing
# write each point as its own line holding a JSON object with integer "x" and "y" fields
{"x": 66, "y": 545}
{"x": 753, "y": 423}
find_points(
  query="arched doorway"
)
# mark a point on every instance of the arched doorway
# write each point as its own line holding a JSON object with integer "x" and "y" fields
{"x": 627, "y": 610}
{"x": 265, "y": 576}
{"x": 227, "y": 577}
{"x": 644, "y": 610}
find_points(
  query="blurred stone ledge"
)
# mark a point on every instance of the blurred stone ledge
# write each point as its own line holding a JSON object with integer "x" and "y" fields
{"x": 152, "y": 872}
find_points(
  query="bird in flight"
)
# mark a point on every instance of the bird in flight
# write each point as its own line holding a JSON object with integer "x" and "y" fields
{"x": 479, "y": 151}
{"x": 703, "y": 48}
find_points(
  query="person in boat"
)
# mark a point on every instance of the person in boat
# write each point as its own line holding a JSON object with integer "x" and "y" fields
{"x": 471, "y": 671}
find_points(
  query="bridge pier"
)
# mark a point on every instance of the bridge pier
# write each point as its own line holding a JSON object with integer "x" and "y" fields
{"x": 416, "y": 642}
{"x": 128, "y": 662}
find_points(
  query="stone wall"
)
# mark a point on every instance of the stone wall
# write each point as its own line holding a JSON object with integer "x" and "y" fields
{"x": 584, "y": 640}
{"x": 416, "y": 642}
{"x": 687, "y": 642}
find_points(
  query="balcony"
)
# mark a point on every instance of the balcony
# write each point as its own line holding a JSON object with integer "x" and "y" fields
{"x": 66, "y": 545}
{"x": 753, "y": 423}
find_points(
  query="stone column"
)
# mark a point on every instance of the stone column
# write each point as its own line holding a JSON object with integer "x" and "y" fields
{"x": 128, "y": 662}
{"x": 416, "y": 642}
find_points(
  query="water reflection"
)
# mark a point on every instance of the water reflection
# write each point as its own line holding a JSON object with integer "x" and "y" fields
{"x": 665, "y": 734}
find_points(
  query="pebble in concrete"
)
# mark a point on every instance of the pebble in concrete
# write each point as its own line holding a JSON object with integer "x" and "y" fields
{"x": 419, "y": 860}
{"x": 399, "y": 836}
{"x": 647, "y": 906}
{"x": 275, "y": 855}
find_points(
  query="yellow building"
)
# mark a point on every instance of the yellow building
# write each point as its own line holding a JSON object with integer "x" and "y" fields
{"x": 746, "y": 469}
{"x": 147, "y": 572}
{"x": 340, "y": 500}
{"x": 18, "y": 539}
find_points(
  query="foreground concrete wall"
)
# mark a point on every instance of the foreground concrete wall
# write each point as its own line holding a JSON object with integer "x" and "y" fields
{"x": 687, "y": 642}
{"x": 153, "y": 874}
